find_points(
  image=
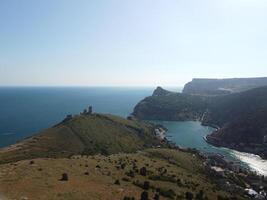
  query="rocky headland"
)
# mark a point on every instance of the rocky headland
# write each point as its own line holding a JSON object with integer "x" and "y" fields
{"x": 239, "y": 118}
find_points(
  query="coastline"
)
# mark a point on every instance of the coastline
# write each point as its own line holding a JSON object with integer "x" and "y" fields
{"x": 253, "y": 161}
{"x": 218, "y": 143}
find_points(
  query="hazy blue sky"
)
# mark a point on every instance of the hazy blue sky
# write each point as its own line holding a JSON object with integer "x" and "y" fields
{"x": 130, "y": 42}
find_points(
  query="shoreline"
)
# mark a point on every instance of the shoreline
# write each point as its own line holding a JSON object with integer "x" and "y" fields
{"x": 234, "y": 155}
{"x": 247, "y": 158}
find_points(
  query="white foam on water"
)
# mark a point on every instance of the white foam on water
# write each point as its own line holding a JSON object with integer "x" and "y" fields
{"x": 255, "y": 162}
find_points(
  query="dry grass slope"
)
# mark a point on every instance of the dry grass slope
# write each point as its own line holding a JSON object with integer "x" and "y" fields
{"x": 168, "y": 172}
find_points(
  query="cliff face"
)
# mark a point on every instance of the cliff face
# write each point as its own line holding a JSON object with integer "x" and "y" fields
{"x": 222, "y": 86}
{"x": 241, "y": 116}
{"x": 170, "y": 106}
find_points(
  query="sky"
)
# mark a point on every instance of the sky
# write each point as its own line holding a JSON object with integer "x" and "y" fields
{"x": 130, "y": 42}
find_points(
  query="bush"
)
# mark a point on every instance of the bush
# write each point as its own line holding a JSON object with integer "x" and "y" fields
{"x": 128, "y": 198}
{"x": 146, "y": 185}
{"x": 144, "y": 195}
{"x": 138, "y": 184}
{"x": 156, "y": 197}
{"x": 64, "y": 177}
{"x": 200, "y": 195}
{"x": 123, "y": 166}
{"x": 167, "y": 193}
{"x": 125, "y": 179}
{"x": 219, "y": 197}
{"x": 143, "y": 171}
{"x": 163, "y": 178}
{"x": 189, "y": 196}
{"x": 130, "y": 174}
{"x": 117, "y": 182}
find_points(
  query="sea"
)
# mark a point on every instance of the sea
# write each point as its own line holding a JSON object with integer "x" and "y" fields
{"x": 25, "y": 111}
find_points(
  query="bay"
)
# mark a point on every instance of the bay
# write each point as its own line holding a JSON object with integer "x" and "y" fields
{"x": 25, "y": 111}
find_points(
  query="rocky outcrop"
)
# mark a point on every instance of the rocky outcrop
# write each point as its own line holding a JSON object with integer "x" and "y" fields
{"x": 159, "y": 91}
{"x": 170, "y": 106}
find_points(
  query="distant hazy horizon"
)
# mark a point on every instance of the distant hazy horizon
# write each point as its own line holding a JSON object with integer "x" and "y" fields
{"x": 128, "y": 86}
{"x": 130, "y": 43}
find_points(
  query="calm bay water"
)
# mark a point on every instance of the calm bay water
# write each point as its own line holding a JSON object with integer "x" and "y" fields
{"x": 191, "y": 134}
{"x": 27, "y": 110}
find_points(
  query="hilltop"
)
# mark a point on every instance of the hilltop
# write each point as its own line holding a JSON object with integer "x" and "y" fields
{"x": 84, "y": 134}
{"x": 222, "y": 86}
{"x": 239, "y": 117}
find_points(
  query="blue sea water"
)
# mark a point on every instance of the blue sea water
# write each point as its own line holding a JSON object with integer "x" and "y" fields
{"x": 25, "y": 111}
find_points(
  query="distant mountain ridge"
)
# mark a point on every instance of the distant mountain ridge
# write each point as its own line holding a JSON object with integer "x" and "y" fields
{"x": 241, "y": 118}
{"x": 222, "y": 86}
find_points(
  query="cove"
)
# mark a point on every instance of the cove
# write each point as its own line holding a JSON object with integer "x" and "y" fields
{"x": 190, "y": 134}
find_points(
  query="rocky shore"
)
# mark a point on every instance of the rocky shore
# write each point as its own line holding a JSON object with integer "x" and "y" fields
{"x": 256, "y": 149}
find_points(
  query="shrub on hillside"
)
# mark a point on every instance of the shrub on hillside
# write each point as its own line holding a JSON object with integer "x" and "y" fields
{"x": 64, "y": 177}
{"x": 146, "y": 185}
{"x": 144, "y": 195}
{"x": 117, "y": 182}
{"x": 189, "y": 196}
{"x": 143, "y": 171}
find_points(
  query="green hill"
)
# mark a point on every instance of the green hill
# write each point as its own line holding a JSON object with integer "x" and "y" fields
{"x": 240, "y": 116}
{"x": 84, "y": 134}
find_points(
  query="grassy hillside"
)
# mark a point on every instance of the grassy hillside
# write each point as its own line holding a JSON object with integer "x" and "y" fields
{"x": 84, "y": 134}
{"x": 169, "y": 173}
{"x": 241, "y": 116}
